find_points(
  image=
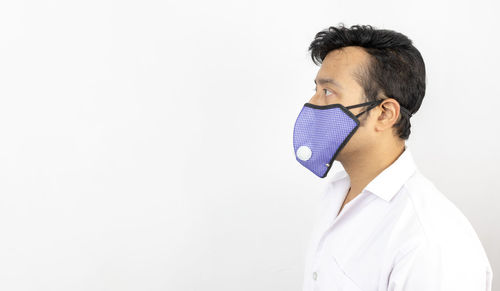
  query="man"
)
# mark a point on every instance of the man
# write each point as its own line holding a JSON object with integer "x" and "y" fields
{"x": 383, "y": 225}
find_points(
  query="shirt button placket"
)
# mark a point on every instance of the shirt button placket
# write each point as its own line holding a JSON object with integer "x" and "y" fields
{"x": 315, "y": 284}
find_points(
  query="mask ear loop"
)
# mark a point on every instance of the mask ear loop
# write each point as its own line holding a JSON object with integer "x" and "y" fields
{"x": 372, "y": 104}
{"x": 364, "y": 104}
{"x": 401, "y": 108}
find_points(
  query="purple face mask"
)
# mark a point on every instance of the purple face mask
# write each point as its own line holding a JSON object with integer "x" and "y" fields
{"x": 321, "y": 132}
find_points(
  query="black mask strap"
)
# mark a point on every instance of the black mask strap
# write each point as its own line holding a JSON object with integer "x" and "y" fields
{"x": 401, "y": 108}
{"x": 372, "y": 104}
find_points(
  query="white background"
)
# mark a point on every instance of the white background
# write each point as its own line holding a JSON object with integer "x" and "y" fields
{"x": 147, "y": 145}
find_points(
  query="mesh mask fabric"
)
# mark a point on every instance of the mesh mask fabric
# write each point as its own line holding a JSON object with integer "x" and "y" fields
{"x": 322, "y": 131}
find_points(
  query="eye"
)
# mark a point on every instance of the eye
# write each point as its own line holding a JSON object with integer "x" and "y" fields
{"x": 324, "y": 90}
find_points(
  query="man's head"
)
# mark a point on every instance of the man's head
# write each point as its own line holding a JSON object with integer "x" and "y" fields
{"x": 360, "y": 64}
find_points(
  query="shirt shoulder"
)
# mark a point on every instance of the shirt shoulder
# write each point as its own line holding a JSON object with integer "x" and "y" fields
{"x": 429, "y": 220}
{"x": 441, "y": 221}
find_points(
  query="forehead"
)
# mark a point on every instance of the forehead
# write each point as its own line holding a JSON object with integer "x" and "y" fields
{"x": 343, "y": 63}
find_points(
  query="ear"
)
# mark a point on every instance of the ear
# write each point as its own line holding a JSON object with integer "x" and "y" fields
{"x": 388, "y": 116}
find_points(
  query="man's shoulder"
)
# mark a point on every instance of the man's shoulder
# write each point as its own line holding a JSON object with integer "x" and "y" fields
{"x": 431, "y": 219}
{"x": 436, "y": 213}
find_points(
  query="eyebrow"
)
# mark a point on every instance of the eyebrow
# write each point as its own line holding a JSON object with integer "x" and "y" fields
{"x": 330, "y": 81}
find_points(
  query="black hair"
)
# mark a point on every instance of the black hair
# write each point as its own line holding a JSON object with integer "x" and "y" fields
{"x": 396, "y": 68}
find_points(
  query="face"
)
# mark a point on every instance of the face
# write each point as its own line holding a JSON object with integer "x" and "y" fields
{"x": 336, "y": 83}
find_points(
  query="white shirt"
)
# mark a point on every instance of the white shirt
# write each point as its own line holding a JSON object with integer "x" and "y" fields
{"x": 399, "y": 233}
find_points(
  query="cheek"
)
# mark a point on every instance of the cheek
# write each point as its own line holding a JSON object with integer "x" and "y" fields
{"x": 353, "y": 143}
{"x": 359, "y": 138}
{"x": 366, "y": 135}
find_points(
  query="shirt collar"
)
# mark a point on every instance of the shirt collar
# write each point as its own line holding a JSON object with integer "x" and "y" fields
{"x": 388, "y": 182}
{"x": 391, "y": 179}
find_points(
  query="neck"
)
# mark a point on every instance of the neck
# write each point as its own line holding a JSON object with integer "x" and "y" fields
{"x": 364, "y": 166}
